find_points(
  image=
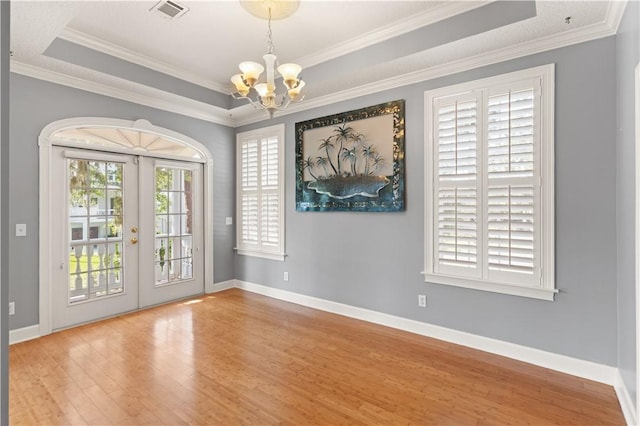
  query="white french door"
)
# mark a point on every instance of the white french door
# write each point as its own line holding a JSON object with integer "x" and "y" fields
{"x": 94, "y": 209}
{"x": 128, "y": 234}
{"x": 172, "y": 245}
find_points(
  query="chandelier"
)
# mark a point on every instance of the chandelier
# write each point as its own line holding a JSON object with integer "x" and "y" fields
{"x": 248, "y": 81}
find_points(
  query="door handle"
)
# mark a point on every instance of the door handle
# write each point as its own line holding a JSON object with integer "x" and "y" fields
{"x": 134, "y": 240}
{"x": 134, "y": 229}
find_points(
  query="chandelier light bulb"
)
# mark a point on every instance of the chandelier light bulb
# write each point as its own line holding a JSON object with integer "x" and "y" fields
{"x": 289, "y": 73}
{"x": 241, "y": 88}
{"x": 262, "y": 89}
{"x": 251, "y": 72}
{"x": 295, "y": 92}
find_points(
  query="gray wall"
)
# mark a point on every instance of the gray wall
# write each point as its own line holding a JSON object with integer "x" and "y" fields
{"x": 374, "y": 260}
{"x": 628, "y": 55}
{"x": 36, "y": 103}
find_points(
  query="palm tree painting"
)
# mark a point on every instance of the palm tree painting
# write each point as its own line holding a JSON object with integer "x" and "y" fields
{"x": 352, "y": 161}
{"x": 353, "y": 170}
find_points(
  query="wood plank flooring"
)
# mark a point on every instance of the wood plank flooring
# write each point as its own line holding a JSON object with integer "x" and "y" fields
{"x": 239, "y": 358}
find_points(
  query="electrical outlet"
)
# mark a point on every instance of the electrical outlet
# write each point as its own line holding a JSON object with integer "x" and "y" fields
{"x": 286, "y": 276}
{"x": 422, "y": 300}
{"x": 12, "y": 308}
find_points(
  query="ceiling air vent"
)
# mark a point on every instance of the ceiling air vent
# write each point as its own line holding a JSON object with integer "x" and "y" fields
{"x": 169, "y": 9}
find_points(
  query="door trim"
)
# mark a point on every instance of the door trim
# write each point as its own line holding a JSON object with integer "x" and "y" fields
{"x": 637, "y": 237}
{"x": 47, "y": 140}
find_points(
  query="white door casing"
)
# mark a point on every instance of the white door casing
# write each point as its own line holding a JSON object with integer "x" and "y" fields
{"x": 637, "y": 237}
{"x": 139, "y": 138}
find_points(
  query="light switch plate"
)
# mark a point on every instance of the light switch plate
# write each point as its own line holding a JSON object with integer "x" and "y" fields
{"x": 21, "y": 229}
{"x": 228, "y": 221}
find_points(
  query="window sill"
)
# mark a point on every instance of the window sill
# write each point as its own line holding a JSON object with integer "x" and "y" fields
{"x": 494, "y": 287}
{"x": 264, "y": 255}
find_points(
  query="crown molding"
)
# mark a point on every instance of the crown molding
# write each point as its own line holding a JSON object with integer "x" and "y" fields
{"x": 163, "y": 100}
{"x": 415, "y": 22}
{"x": 244, "y": 115}
{"x": 615, "y": 12}
{"x": 419, "y": 20}
{"x": 91, "y": 42}
{"x": 544, "y": 44}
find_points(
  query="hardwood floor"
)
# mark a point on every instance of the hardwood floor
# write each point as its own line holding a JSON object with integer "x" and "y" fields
{"x": 239, "y": 358}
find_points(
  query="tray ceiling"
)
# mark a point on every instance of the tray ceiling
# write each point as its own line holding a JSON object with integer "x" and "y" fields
{"x": 128, "y": 50}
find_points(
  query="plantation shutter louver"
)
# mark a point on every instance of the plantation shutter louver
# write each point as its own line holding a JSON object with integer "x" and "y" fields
{"x": 260, "y": 192}
{"x": 270, "y": 206}
{"x": 250, "y": 193}
{"x": 512, "y": 192}
{"x": 456, "y": 186}
{"x": 489, "y": 221}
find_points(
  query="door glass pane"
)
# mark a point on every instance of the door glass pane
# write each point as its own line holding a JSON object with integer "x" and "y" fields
{"x": 173, "y": 254}
{"x": 95, "y": 229}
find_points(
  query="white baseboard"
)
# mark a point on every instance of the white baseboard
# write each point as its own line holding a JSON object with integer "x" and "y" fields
{"x": 565, "y": 364}
{"x": 223, "y": 285}
{"x": 24, "y": 334}
{"x": 626, "y": 403}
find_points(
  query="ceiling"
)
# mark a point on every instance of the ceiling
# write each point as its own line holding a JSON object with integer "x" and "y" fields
{"x": 125, "y": 49}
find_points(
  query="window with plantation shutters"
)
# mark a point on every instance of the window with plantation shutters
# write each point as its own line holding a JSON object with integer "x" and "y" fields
{"x": 260, "y": 193}
{"x": 489, "y": 187}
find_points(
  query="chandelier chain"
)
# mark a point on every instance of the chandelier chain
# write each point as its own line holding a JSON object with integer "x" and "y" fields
{"x": 270, "y": 47}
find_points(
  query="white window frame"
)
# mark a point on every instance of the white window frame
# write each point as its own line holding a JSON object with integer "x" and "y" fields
{"x": 258, "y": 249}
{"x": 543, "y": 286}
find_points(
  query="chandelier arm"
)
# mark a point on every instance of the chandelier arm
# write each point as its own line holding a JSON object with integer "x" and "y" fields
{"x": 286, "y": 100}
{"x": 284, "y": 103}
{"x": 257, "y": 104}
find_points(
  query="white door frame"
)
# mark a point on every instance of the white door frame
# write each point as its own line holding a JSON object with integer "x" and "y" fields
{"x": 637, "y": 238}
{"x": 47, "y": 140}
